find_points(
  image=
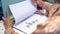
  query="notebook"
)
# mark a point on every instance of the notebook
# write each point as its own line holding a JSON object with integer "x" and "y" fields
{"x": 25, "y": 18}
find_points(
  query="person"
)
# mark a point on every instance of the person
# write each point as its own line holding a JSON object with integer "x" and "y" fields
{"x": 50, "y": 26}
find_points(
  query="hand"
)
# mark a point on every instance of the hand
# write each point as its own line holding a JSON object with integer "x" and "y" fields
{"x": 49, "y": 7}
{"x": 34, "y": 1}
{"x": 8, "y": 25}
{"x": 51, "y": 26}
{"x": 7, "y": 21}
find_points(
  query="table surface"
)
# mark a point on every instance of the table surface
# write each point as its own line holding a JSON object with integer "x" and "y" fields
{"x": 2, "y": 29}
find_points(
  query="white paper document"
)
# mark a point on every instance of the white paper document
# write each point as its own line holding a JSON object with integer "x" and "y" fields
{"x": 30, "y": 24}
{"x": 26, "y": 20}
{"x": 22, "y": 10}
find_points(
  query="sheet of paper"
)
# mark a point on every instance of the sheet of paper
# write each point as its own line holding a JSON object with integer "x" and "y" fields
{"x": 30, "y": 24}
{"x": 22, "y": 10}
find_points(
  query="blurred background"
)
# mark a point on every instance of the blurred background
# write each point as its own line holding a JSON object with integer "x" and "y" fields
{"x": 1, "y": 12}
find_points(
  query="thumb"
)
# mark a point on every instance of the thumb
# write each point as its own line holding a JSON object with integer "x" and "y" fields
{"x": 3, "y": 19}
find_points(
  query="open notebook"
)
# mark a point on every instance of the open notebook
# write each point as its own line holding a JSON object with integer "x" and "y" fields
{"x": 26, "y": 20}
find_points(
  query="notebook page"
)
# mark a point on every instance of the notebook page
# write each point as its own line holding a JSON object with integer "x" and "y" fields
{"x": 30, "y": 24}
{"x": 22, "y": 10}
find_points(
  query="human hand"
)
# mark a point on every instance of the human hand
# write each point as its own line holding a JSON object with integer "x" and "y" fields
{"x": 8, "y": 25}
{"x": 7, "y": 21}
{"x": 50, "y": 26}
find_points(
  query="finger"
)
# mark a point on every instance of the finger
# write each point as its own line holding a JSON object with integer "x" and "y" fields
{"x": 40, "y": 1}
{"x": 3, "y": 19}
{"x": 34, "y": 1}
{"x": 7, "y": 15}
